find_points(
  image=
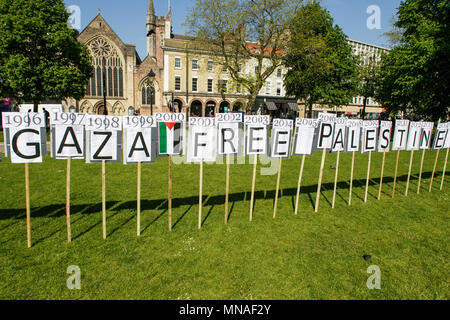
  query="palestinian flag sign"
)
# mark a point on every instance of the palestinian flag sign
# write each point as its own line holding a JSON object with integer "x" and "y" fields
{"x": 170, "y": 138}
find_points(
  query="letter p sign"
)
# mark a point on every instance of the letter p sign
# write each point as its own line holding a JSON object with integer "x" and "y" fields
{"x": 374, "y": 21}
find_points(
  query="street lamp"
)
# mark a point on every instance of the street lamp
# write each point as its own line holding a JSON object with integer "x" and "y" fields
{"x": 151, "y": 76}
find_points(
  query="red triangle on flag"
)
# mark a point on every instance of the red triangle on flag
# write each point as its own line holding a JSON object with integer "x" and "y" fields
{"x": 170, "y": 125}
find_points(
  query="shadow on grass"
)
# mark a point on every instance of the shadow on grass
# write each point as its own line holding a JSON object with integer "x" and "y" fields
{"x": 114, "y": 207}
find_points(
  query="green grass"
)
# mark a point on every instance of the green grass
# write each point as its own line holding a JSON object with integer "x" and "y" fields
{"x": 309, "y": 256}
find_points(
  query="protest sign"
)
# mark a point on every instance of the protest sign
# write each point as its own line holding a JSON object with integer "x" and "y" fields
{"x": 281, "y": 146}
{"x": 338, "y": 146}
{"x": 256, "y": 144}
{"x": 384, "y": 143}
{"x": 306, "y": 131}
{"x": 369, "y": 145}
{"x": 425, "y": 144}
{"x": 446, "y": 146}
{"x": 399, "y": 143}
{"x": 229, "y": 143}
{"x": 353, "y": 145}
{"x": 413, "y": 144}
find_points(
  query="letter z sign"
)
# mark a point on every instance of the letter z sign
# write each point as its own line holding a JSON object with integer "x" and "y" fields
{"x": 104, "y": 136}
{"x": 25, "y": 136}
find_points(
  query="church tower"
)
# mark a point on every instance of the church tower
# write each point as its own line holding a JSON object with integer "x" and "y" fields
{"x": 151, "y": 30}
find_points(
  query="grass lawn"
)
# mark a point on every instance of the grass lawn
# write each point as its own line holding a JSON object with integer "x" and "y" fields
{"x": 309, "y": 256}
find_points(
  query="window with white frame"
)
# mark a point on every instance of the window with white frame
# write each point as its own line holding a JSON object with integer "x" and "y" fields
{"x": 177, "y": 63}
{"x": 194, "y": 64}
{"x": 279, "y": 73}
{"x": 269, "y": 87}
{"x": 210, "y": 65}
{"x": 177, "y": 83}
{"x": 194, "y": 84}
{"x": 210, "y": 85}
{"x": 279, "y": 88}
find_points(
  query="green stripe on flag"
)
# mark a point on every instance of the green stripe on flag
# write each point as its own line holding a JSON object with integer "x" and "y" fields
{"x": 162, "y": 138}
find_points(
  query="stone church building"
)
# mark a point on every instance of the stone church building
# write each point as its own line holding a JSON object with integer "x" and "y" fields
{"x": 128, "y": 80}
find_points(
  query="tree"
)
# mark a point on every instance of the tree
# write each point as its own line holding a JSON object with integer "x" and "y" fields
{"x": 415, "y": 74}
{"x": 322, "y": 68}
{"x": 367, "y": 79}
{"x": 244, "y": 32}
{"x": 40, "y": 56}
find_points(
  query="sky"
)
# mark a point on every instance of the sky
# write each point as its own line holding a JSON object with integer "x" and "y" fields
{"x": 128, "y": 18}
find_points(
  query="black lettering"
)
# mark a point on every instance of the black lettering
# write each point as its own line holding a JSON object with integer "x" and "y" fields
{"x": 278, "y": 143}
{"x": 229, "y": 141}
{"x": 74, "y": 138}
{"x": 386, "y": 138}
{"x": 139, "y": 136}
{"x": 108, "y": 136}
{"x": 369, "y": 139}
{"x": 322, "y": 133}
{"x": 251, "y": 139}
{"x": 36, "y": 145}
{"x": 197, "y": 135}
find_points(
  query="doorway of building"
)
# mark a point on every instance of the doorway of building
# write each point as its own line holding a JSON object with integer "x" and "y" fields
{"x": 196, "y": 109}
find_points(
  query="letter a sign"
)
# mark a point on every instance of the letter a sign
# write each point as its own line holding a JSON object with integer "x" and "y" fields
{"x": 138, "y": 136}
{"x": 25, "y": 137}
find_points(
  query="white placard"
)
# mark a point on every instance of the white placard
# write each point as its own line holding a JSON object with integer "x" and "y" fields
{"x": 440, "y": 136}
{"x": 171, "y": 132}
{"x": 256, "y": 135}
{"x": 138, "y": 139}
{"x": 305, "y": 132}
{"x": 25, "y": 136}
{"x": 339, "y": 135}
{"x": 354, "y": 128}
{"x": 325, "y": 140}
{"x": 68, "y": 119}
{"x": 68, "y": 141}
{"x": 414, "y": 134}
{"x": 447, "y": 140}
{"x": 103, "y": 138}
{"x": 426, "y": 136}
{"x": 229, "y": 138}
{"x": 229, "y": 117}
{"x": 400, "y": 135}
{"x": 369, "y": 131}
{"x": 281, "y": 138}
{"x": 384, "y": 139}
{"x": 202, "y": 140}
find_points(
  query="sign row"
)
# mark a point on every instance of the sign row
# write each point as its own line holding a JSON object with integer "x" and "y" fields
{"x": 143, "y": 139}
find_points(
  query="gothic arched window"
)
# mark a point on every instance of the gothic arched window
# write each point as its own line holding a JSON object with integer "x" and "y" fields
{"x": 107, "y": 70}
{"x": 148, "y": 94}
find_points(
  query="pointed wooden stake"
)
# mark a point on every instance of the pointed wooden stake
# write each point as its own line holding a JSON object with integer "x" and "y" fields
{"x": 420, "y": 172}
{"x": 336, "y": 179}
{"x": 300, "y": 178}
{"x": 139, "y": 199}
{"x": 227, "y": 189}
{"x": 368, "y": 177}
{"x": 104, "y": 199}
{"x": 252, "y": 199}
{"x": 319, "y": 184}
{"x": 445, "y": 169}
{"x": 280, "y": 163}
{"x": 200, "y": 197}
{"x": 170, "y": 193}
{"x": 382, "y": 175}
{"x": 409, "y": 172}
{"x": 434, "y": 170}
{"x": 396, "y": 173}
{"x": 69, "y": 234}
{"x": 351, "y": 179}
{"x": 27, "y": 200}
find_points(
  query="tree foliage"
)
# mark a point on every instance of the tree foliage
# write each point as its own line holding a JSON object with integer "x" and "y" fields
{"x": 322, "y": 68}
{"x": 244, "y": 32}
{"x": 415, "y": 74}
{"x": 40, "y": 56}
{"x": 368, "y": 78}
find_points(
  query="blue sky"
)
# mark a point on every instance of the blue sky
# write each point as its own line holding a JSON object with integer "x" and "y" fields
{"x": 128, "y": 18}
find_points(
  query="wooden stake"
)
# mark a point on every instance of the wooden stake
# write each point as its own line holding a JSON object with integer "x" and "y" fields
{"x": 351, "y": 179}
{"x": 227, "y": 187}
{"x": 69, "y": 234}
{"x": 27, "y": 199}
{"x": 420, "y": 172}
{"x": 139, "y": 199}
{"x": 104, "y": 199}
{"x": 434, "y": 170}
{"x": 300, "y": 178}
{"x": 252, "y": 199}
{"x": 382, "y": 175}
{"x": 409, "y": 172}
{"x": 319, "y": 184}
{"x": 280, "y": 163}
{"x": 336, "y": 179}
{"x": 170, "y": 193}
{"x": 445, "y": 169}
{"x": 200, "y": 197}
{"x": 368, "y": 177}
{"x": 395, "y": 174}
